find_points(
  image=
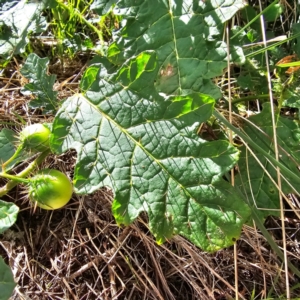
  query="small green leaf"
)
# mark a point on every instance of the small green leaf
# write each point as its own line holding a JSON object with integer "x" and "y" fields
{"x": 8, "y": 143}
{"x": 253, "y": 179}
{"x": 40, "y": 84}
{"x": 274, "y": 12}
{"x": 8, "y": 139}
{"x": 290, "y": 95}
{"x": 8, "y": 215}
{"x": 7, "y": 283}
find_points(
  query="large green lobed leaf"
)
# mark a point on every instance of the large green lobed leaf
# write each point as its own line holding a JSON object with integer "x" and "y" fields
{"x": 186, "y": 36}
{"x": 134, "y": 126}
{"x": 144, "y": 146}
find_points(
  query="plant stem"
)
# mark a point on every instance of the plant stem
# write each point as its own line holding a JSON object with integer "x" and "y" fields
{"x": 16, "y": 154}
{"x": 13, "y": 177}
{"x": 250, "y": 98}
{"x": 20, "y": 176}
{"x": 293, "y": 37}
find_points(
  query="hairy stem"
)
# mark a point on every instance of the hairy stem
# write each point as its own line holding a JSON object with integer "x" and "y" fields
{"x": 16, "y": 154}
{"x": 15, "y": 179}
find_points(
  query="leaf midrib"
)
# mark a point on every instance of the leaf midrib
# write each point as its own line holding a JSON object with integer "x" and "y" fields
{"x": 187, "y": 193}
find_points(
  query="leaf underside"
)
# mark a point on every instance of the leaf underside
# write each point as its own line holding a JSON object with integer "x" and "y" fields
{"x": 135, "y": 125}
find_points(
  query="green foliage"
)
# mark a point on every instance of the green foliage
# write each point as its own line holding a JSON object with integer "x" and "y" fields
{"x": 134, "y": 125}
{"x": 7, "y": 283}
{"x": 286, "y": 84}
{"x": 186, "y": 38}
{"x": 17, "y": 20}
{"x": 253, "y": 74}
{"x": 12, "y": 152}
{"x": 8, "y": 139}
{"x": 102, "y": 7}
{"x": 40, "y": 84}
{"x": 274, "y": 11}
{"x": 296, "y": 44}
{"x": 250, "y": 16}
{"x": 66, "y": 19}
{"x": 8, "y": 215}
{"x": 76, "y": 26}
{"x": 253, "y": 178}
{"x": 8, "y": 143}
{"x": 144, "y": 146}
{"x": 290, "y": 94}
{"x": 253, "y": 78}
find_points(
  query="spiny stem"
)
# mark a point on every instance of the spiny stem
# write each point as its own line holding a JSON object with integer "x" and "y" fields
{"x": 20, "y": 176}
{"x": 16, "y": 154}
{"x": 14, "y": 178}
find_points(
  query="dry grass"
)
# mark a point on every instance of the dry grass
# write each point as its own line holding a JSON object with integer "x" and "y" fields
{"x": 80, "y": 253}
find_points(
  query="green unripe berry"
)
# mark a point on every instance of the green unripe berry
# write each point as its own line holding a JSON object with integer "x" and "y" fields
{"x": 50, "y": 189}
{"x": 35, "y": 138}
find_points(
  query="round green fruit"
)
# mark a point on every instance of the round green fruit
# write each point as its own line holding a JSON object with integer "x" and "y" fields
{"x": 35, "y": 138}
{"x": 50, "y": 189}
